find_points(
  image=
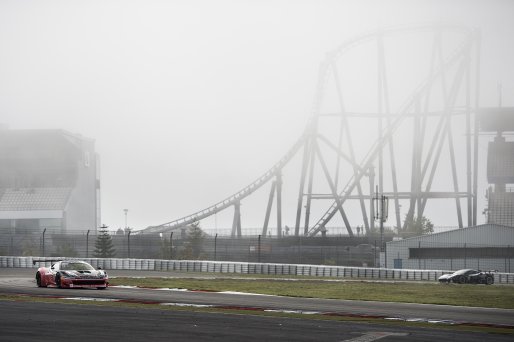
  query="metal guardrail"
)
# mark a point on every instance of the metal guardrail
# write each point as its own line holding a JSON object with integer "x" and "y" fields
{"x": 249, "y": 268}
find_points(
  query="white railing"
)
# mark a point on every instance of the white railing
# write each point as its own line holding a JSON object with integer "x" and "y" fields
{"x": 247, "y": 268}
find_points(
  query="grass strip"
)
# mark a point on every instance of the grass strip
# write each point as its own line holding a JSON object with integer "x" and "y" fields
{"x": 423, "y": 293}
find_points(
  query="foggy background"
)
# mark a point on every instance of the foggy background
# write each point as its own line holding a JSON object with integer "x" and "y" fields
{"x": 190, "y": 101}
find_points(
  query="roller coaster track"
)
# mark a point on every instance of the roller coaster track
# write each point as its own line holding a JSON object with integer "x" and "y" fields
{"x": 310, "y": 133}
{"x": 389, "y": 130}
{"x": 235, "y": 198}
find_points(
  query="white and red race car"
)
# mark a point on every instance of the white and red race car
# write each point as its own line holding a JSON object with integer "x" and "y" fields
{"x": 71, "y": 274}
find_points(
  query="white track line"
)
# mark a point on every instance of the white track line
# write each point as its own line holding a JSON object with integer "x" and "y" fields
{"x": 92, "y": 299}
{"x": 375, "y": 335}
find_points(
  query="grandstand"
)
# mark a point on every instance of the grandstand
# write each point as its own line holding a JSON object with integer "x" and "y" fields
{"x": 48, "y": 179}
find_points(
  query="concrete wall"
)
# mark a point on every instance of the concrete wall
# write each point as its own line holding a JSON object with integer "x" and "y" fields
{"x": 249, "y": 268}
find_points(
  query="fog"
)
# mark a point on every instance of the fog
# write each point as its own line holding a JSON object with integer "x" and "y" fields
{"x": 190, "y": 101}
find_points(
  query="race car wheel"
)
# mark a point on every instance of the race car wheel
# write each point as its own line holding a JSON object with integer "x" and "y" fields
{"x": 489, "y": 280}
{"x": 58, "y": 281}
{"x": 38, "y": 280}
{"x": 462, "y": 280}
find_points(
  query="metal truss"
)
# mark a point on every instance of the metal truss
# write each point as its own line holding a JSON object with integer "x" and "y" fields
{"x": 330, "y": 160}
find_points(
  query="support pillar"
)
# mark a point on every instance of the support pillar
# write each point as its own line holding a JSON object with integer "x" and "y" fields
{"x": 236, "y": 223}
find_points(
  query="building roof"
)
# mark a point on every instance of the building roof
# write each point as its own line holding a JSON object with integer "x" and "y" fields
{"x": 34, "y": 199}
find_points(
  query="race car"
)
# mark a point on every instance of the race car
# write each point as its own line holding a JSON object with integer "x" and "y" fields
{"x": 468, "y": 276}
{"x": 71, "y": 274}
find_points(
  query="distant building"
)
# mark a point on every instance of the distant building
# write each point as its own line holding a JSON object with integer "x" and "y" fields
{"x": 485, "y": 247}
{"x": 500, "y": 207}
{"x": 500, "y": 165}
{"x": 48, "y": 179}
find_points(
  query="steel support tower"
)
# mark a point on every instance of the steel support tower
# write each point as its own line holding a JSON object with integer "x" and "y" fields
{"x": 417, "y": 140}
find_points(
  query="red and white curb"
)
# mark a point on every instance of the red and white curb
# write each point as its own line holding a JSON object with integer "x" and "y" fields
{"x": 284, "y": 311}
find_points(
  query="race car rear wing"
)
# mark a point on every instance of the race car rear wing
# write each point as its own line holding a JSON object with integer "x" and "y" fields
{"x": 46, "y": 260}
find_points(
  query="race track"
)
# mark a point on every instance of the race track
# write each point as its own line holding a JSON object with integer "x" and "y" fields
{"x": 184, "y": 325}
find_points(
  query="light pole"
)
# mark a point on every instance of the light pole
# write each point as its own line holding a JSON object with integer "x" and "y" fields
{"x": 126, "y": 214}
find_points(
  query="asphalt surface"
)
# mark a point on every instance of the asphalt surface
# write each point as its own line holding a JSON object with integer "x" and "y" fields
{"x": 21, "y": 321}
{"x": 60, "y": 322}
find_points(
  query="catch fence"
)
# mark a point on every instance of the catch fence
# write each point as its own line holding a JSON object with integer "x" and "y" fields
{"x": 357, "y": 251}
{"x": 348, "y": 251}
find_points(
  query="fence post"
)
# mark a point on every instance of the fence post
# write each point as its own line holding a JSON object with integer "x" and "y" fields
{"x": 43, "y": 242}
{"x": 215, "y": 246}
{"x": 259, "y": 249}
{"x": 419, "y": 255}
{"x": 478, "y": 257}
{"x": 385, "y": 255}
{"x": 465, "y": 259}
{"x": 300, "y": 249}
{"x": 375, "y": 255}
{"x": 87, "y": 244}
{"x": 128, "y": 243}
{"x": 171, "y": 245}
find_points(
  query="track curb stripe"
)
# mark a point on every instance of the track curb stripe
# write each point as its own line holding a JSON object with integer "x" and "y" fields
{"x": 275, "y": 310}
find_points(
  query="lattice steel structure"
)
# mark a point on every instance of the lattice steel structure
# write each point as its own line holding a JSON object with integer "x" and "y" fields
{"x": 405, "y": 91}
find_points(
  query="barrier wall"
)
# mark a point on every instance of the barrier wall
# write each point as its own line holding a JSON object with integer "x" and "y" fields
{"x": 247, "y": 268}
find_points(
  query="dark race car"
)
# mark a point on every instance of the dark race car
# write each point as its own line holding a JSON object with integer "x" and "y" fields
{"x": 482, "y": 277}
{"x": 468, "y": 276}
{"x": 71, "y": 274}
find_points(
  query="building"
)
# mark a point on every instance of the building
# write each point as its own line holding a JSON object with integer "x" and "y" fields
{"x": 484, "y": 247}
{"x": 500, "y": 165}
{"x": 48, "y": 179}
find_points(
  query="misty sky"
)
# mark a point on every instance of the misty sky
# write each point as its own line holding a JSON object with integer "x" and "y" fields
{"x": 189, "y": 101}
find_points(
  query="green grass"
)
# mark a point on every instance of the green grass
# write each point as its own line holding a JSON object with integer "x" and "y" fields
{"x": 463, "y": 295}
